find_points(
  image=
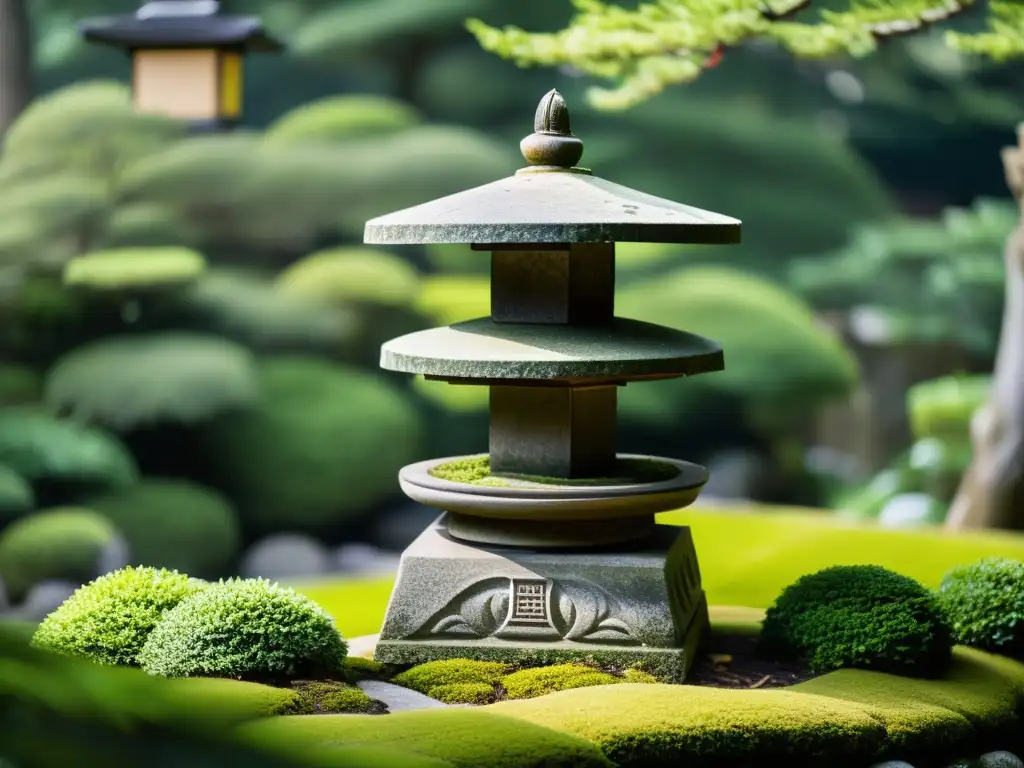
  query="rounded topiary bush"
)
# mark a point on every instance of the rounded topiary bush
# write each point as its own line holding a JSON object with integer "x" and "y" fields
{"x": 984, "y": 603}
{"x": 64, "y": 543}
{"x": 248, "y": 629}
{"x": 538, "y": 681}
{"x": 109, "y": 619}
{"x": 175, "y": 524}
{"x": 16, "y": 495}
{"x": 861, "y": 616}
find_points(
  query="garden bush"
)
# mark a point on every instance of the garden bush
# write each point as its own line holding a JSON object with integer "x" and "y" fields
{"x": 352, "y": 274}
{"x": 984, "y": 603}
{"x": 433, "y": 674}
{"x": 338, "y": 118}
{"x": 109, "y": 619}
{"x": 249, "y": 629}
{"x": 16, "y": 495}
{"x": 538, "y": 681}
{"x": 322, "y": 698}
{"x": 860, "y": 616}
{"x": 175, "y": 524}
{"x": 64, "y": 543}
{"x": 130, "y": 271}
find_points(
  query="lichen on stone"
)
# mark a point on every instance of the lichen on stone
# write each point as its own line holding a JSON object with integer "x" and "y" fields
{"x": 476, "y": 470}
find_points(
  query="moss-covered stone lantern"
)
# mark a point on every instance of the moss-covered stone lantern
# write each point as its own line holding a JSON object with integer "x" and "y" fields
{"x": 187, "y": 58}
{"x": 548, "y": 549}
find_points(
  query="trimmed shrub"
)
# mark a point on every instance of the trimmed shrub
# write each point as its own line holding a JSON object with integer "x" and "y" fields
{"x": 109, "y": 619}
{"x": 984, "y": 603}
{"x": 426, "y": 677}
{"x": 249, "y": 629}
{"x": 342, "y": 117}
{"x": 352, "y": 274}
{"x": 358, "y": 668}
{"x": 861, "y": 616}
{"x": 324, "y": 698}
{"x": 16, "y": 495}
{"x": 175, "y": 524}
{"x": 63, "y": 543}
{"x": 134, "y": 270}
{"x": 538, "y": 681}
{"x": 464, "y": 693}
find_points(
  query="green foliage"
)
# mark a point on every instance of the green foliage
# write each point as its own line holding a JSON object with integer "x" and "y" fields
{"x": 252, "y": 311}
{"x": 43, "y": 449}
{"x": 652, "y": 46}
{"x": 134, "y": 270}
{"x": 539, "y": 681}
{"x": 175, "y": 524}
{"x": 109, "y": 619}
{"x": 944, "y": 407}
{"x": 779, "y": 360}
{"x": 452, "y": 298}
{"x": 358, "y": 668}
{"x": 322, "y": 447}
{"x": 146, "y": 226}
{"x": 324, "y": 698}
{"x": 16, "y": 495}
{"x": 352, "y": 274}
{"x": 464, "y": 693}
{"x": 63, "y": 543}
{"x": 860, "y": 616}
{"x": 129, "y": 382}
{"x": 984, "y": 603}
{"x": 435, "y": 674}
{"x": 343, "y": 117}
{"x": 245, "y": 628}
{"x": 19, "y": 385}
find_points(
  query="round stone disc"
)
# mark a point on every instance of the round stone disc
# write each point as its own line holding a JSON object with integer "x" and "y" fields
{"x": 622, "y": 350}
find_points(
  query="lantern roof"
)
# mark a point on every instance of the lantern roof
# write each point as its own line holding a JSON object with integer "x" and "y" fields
{"x": 180, "y": 24}
{"x": 552, "y": 200}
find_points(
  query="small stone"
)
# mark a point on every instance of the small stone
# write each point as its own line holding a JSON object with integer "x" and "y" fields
{"x": 396, "y": 697}
{"x": 1000, "y": 759}
{"x": 364, "y": 559}
{"x": 909, "y": 510}
{"x": 115, "y": 555}
{"x": 398, "y": 527}
{"x": 286, "y": 556}
{"x": 43, "y": 599}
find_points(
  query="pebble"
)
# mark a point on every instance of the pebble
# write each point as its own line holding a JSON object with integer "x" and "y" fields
{"x": 398, "y": 698}
{"x": 1000, "y": 759}
{"x": 286, "y": 556}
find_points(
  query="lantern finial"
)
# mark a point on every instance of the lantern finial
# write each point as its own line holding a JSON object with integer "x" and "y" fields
{"x": 552, "y": 144}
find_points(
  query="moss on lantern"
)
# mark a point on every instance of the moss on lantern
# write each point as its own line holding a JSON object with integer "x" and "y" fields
{"x": 476, "y": 470}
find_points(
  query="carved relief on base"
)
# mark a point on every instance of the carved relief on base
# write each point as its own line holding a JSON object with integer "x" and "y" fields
{"x": 530, "y": 608}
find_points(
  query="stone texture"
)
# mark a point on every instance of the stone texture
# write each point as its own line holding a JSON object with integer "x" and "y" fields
{"x": 618, "y": 351}
{"x": 562, "y": 206}
{"x": 398, "y": 698}
{"x": 1000, "y": 759}
{"x": 455, "y": 600}
{"x": 286, "y": 556}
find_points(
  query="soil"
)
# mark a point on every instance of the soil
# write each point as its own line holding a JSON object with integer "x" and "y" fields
{"x": 730, "y": 661}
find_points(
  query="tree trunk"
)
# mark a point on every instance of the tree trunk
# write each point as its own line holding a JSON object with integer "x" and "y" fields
{"x": 15, "y": 62}
{"x": 991, "y": 494}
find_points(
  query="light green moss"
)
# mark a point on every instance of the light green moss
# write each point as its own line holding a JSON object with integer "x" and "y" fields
{"x": 635, "y": 675}
{"x": 469, "y": 738}
{"x": 234, "y": 696}
{"x": 426, "y": 677}
{"x": 476, "y": 470}
{"x": 320, "y": 698}
{"x": 358, "y": 668}
{"x": 538, "y": 681}
{"x": 464, "y": 693}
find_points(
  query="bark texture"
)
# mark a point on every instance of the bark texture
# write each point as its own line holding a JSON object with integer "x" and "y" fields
{"x": 991, "y": 494}
{"x": 15, "y": 62}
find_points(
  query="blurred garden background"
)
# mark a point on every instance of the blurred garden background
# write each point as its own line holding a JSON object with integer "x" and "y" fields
{"x": 190, "y": 325}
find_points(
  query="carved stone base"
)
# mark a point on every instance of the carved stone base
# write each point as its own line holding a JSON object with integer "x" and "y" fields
{"x": 644, "y": 606}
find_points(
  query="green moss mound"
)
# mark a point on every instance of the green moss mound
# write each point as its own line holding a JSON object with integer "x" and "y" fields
{"x": 984, "y": 603}
{"x": 358, "y": 668}
{"x": 352, "y": 274}
{"x": 847, "y": 717}
{"x": 129, "y": 382}
{"x": 237, "y": 697}
{"x": 467, "y": 738}
{"x": 859, "y": 616}
{"x": 464, "y": 693}
{"x": 539, "y": 681}
{"x": 322, "y": 447}
{"x": 323, "y": 698}
{"x": 434, "y": 674}
{"x": 476, "y": 470}
{"x": 125, "y": 270}
{"x": 343, "y": 117}
{"x": 175, "y": 524}
{"x": 63, "y": 543}
{"x": 248, "y": 629}
{"x": 109, "y": 619}
{"x": 43, "y": 449}
{"x": 16, "y": 495}
{"x": 944, "y": 406}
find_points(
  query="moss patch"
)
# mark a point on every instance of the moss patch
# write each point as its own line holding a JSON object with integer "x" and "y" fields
{"x": 357, "y": 668}
{"x": 323, "y": 698}
{"x": 468, "y": 738}
{"x": 846, "y": 717}
{"x": 476, "y": 470}
{"x": 530, "y": 683}
{"x": 464, "y": 693}
{"x": 234, "y": 696}
{"x": 434, "y": 674}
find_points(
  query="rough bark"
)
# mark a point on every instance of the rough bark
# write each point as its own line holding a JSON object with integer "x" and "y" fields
{"x": 15, "y": 62}
{"x": 991, "y": 494}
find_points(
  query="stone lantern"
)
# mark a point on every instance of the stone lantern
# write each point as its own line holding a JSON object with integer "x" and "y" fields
{"x": 187, "y": 58}
{"x": 547, "y": 549}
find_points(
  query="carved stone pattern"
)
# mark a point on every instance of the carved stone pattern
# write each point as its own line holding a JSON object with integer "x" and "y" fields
{"x": 530, "y": 609}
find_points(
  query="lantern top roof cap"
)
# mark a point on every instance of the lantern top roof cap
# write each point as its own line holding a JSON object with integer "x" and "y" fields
{"x": 552, "y": 200}
{"x": 180, "y": 24}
